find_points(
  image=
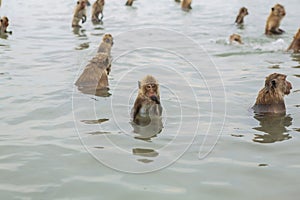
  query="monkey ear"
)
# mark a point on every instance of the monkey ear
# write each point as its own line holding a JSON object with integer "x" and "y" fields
{"x": 273, "y": 82}
{"x": 139, "y": 84}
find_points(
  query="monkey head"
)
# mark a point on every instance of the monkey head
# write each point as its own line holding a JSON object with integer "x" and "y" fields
{"x": 278, "y": 84}
{"x": 244, "y": 11}
{"x": 278, "y": 10}
{"x": 4, "y": 21}
{"x": 235, "y": 38}
{"x": 149, "y": 88}
{"x": 107, "y": 38}
{"x": 82, "y": 4}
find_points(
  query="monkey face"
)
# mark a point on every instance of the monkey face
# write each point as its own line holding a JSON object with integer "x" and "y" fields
{"x": 82, "y": 4}
{"x": 278, "y": 10}
{"x": 4, "y": 21}
{"x": 150, "y": 90}
{"x": 279, "y": 84}
{"x": 244, "y": 11}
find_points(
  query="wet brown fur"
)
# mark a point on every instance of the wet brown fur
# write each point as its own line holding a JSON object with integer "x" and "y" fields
{"x": 129, "y": 3}
{"x": 270, "y": 99}
{"x": 295, "y": 45}
{"x": 97, "y": 9}
{"x": 186, "y": 5}
{"x": 240, "y": 17}
{"x": 235, "y": 38}
{"x": 79, "y": 13}
{"x": 143, "y": 100}
{"x": 274, "y": 19}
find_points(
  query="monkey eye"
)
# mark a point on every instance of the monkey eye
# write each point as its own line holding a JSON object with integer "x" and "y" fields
{"x": 153, "y": 86}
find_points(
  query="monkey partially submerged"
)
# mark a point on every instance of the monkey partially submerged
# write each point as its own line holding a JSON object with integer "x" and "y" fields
{"x": 79, "y": 13}
{"x": 3, "y": 26}
{"x": 147, "y": 104}
{"x": 186, "y": 5}
{"x": 94, "y": 77}
{"x": 270, "y": 99}
{"x": 240, "y": 17}
{"x": 97, "y": 9}
{"x": 295, "y": 45}
{"x": 274, "y": 19}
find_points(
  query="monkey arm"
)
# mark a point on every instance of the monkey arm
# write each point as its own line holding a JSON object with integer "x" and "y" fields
{"x": 10, "y": 32}
{"x": 83, "y": 18}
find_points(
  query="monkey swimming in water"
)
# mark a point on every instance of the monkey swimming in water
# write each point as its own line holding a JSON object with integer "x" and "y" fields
{"x": 240, "y": 17}
{"x": 270, "y": 99}
{"x": 129, "y": 2}
{"x": 4, "y": 23}
{"x": 97, "y": 9}
{"x": 235, "y": 38}
{"x": 186, "y": 5}
{"x": 147, "y": 104}
{"x": 274, "y": 19}
{"x": 79, "y": 13}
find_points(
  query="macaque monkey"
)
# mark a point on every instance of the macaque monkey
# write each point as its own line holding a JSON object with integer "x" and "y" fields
{"x": 3, "y": 25}
{"x": 105, "y": 47}
{"x": 129, "y": 3}
{"x": 147, "y": 104}
{"x": 79, "y": 13}
{"x": 274, "y": 19}
{"x": 270, "y": 99}
{"x": 94, "y": 76}
{"x": 242, "y": 13}
{"x": 235, "y": 38}
{"x": 295, "y": 45}
{"x": 97, "y": 9}
{"x": 186, "y": 5}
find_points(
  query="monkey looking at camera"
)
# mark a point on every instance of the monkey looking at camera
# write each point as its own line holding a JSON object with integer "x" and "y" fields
{"x": 240, "y": 17}
{"x": 147, "y": 104}
{"x": 97, "y": 9}
{"x": 274, "y": 19}
{"x": 79, "y": 13}
{"x": 235, "y": 38}
{"x": 186, "y": 5}
{"x": 129, "y": 3}
{"x": 4, "y": 22}
{"x": 270, "y": 99}
{"x": 295, "y": 45}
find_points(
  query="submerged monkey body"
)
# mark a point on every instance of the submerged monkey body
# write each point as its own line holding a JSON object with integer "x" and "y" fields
{"x": 270, "y": 99}
{"x": 274, "y": 19}
{"x": 79, "y": 13}
{"x": 295, "y": 45}
{"x": 240, "y": 17}
{"x": 95, "y": 74}
{"x": 147, "y": 104}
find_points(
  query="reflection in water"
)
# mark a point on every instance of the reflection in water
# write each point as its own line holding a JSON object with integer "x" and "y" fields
{"x": 150, "y": 153}
{"x": 78, "y": 31}
{"x": 274, "y": 126}
{"x": 100, "y": 93}
{"x": 296, "y": 57}
{"x": 148, "y": 129}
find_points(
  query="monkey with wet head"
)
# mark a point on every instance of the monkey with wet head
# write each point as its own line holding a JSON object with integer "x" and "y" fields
{"x": 186, "y": 5}
{"x": 95, "y": 74}
{"x": 79, "y": 13}
{"x": 97, "y": 9}
{"x": 240, "y": 17}
{"x": 295, "y": 45}
{"x": 274, "y": 19}
{"x": 270, "y": 99}
{"x": 235, "y": 38}
{"x": 4, "y": 22}
{"x": 147, "y": 104}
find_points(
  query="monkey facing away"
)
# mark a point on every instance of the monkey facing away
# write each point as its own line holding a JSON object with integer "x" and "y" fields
{"x": 274, "y": 19}
{"x": 235, "y": 38}
{"x": 97, "y": 9}
{"x": 105, "y": 47}
{"x": 270, "y": 99}
{"x": 295, "y": 45}
{"x": 240, "y": 17}
{"x": 94, "y": 77}
{"x": 147, "y": 104}
{"x": 4, "y": 22}
{"x": 79, "y": 13}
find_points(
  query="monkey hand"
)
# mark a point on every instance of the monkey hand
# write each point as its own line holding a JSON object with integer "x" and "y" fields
{"x": 83, "y": 19}
{"x": 154, "y": 98}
